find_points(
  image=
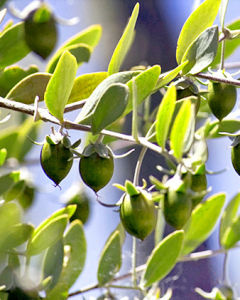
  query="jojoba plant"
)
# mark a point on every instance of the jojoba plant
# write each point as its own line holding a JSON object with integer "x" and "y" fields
{"x": 177, "y": 130}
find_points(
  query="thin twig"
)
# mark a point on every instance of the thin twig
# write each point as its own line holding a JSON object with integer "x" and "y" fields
{"x": 219, "y": 79}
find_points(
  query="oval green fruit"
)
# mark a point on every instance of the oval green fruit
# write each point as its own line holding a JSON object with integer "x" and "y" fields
{"x": 221, "y": 98}
{"x": 96, "y": 170}
{"x": 198, "y": 184}
{"x": 138, "y": 215}
{"x": 41, "y": 31}
{"x": 235, "y": 156}
{"x": 177, "y": 208}
{"x": 56, "y": 161}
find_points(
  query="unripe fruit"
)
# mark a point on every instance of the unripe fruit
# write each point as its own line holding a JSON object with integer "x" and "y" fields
{"x": 96, "y": 167}
{"x": 41, "y": 31}
{"x": 221, "y": 98}
{"x": 199, "y": 184}
{"x": 82, "y": 211}
{"x": 138, "y": 214}
{"x": 177, "y": 208}
{"x": 235, "y": 155}
{"x": 56, "y": 159}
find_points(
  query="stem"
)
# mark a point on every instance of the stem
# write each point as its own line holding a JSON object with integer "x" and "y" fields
{"x": 134, "y": 261}
{"x": 218, "y": 79}
{"x": 222, "y": 55}
{"x": 225, "y": 279}
{"x": 124, "y": 287}
{"x": 139, "y": 165}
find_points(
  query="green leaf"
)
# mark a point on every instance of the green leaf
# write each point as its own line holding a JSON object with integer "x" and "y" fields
{"x": 68, "y": 210}
{"x": 75, "y": 253}
{"x": 53, "y": 263}
{"x": 229, "y": 216}
{"x": 60, "y": 85}
{"x": 17, "y": 235}
{"x": 164, "y": 115}
{"x": 163, "y": 258}
{"x": 7, "y": 278}
{"x": 14, "y": 190}
{"x": 202, "y": 222}
{"x": 180, "y": 129}
{"x": 145, "y": 83}
{"x": 215, "y": 128}
{"x": 29, "y": 87}
{"x": 10, "y": 76}
{"x": 110, "y": 107}
{"x": 85, "y": 115}
{"x": 232, "y": 235}
{"x": 47, "y": 235}
{"x": 12, "y": 45}
{"x": 222, "y": 13}
{"x": 110, "y": 260}
{"x": 82, "y": 53}
{"x": 85, "y": 84}
{"x": 167, "y": 77}
{"x": 200, "y": 19}
{"x": 202, "y": 51}
{"x": 124, "y": 43}
{"x": 90, "y": 36}
{"x": 230, "y": 45}
{"x": 3, "y": 156}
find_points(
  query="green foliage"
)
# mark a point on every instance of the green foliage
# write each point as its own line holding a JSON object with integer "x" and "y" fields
{"x": 177, "y": 128}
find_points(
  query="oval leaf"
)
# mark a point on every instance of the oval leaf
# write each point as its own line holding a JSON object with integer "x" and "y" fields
{"x": 232, "y": 235}
{"x": 12, "y": 45}
{"x": 229, "y": 216}
{"x": 200, "y": 19}
{"x": 60, "y": 85}
{"x": 180, "y": 129}
{"x": 164, "y": 115}
{"x": 110, "y": 260}
{"x": 163, "y": 258}
{"x": 145, "y": 83}
{"x": 75, "y": 246}
{"x": 90, "y": 36}
{"x": 53, "y": 262}
{"x": 110, "y": 107}
{"x": 202, "y": 51}
{"x": 202, "y": 222}
{"x": 84, "y": 85}
{"x": 124, "y": 43}
{"x": 28, "y": 88}
{"x": 47, "y": 236}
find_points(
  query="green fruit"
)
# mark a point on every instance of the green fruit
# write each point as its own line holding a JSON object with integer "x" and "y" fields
{"x": 18, "y": 294}
{"x": 26, "y": 198}
{"x": 82, "y": 211}
{"x": 199, "y": 184}
{"x": 225, "y": 292}
{"x": 56, "y": 160}
{"x": 221, "y": 98}
{"x": 177, "y": 208}
{"x": 138, "y": 214}
{"x": 41, "y": 31}
{"x": 96, "y": 166}
{"x": 235, "y": 155}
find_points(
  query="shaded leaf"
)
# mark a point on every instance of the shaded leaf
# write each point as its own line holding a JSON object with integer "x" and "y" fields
{"x": 167, "y": 77}
{"x": 230, "y": 45}
{"x": 202, "y": 222}
{"x": 82, "y": 53}
{"x": 12, "y": 45}
{"x": 10, "y": 76}
{"x": 164, "y": 115}
{"x": 110, "y": 107}
{"x": 180, "y": 129}
{"x": 124, "y": 43}
{"x": 84, "y": 85}
{"x": 202, "y": 51}
{"x": 110, "y": 260}
{"x": 14, "y": 190}
{"x": 60, "y": 85}
{"x": 53, "y": 262}
{"x": 85, "y": 115}
{"x": 17, "y": 235}
{"x": 75, "y": 253}
{"x": 29, "y": 87}
{"x": 145, "y": 83}
{"x": 47, "y": 236}
{"x": 163, "y": 258}
{"x": 7, "y": 278}
{"x": 200, "y": 19}
{"x": 229, "y": 216}
{"x": 90, "y": 36}
{"x": 215, "y": 128}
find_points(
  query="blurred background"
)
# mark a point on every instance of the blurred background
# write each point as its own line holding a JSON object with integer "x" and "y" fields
{"x": 157, "y": 30}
